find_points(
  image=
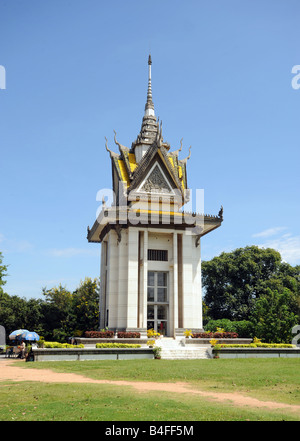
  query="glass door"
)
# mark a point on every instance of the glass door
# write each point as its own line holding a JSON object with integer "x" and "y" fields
{"x": 158, "y": 302}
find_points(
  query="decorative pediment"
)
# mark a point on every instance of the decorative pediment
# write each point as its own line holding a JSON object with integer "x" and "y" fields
{"x": 156, "y": 181}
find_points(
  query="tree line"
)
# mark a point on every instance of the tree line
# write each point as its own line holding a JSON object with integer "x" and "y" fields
{"x": 252, "y": 288}
{"x": 59, "y": 314}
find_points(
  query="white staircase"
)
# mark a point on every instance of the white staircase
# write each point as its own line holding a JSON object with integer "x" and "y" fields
{"x": 176, "y": 349}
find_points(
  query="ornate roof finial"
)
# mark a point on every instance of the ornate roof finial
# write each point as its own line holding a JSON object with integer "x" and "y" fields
{"x": 112, "y": 154}
{"x": 188, "y": 157}
{"x": 149, "y": 107}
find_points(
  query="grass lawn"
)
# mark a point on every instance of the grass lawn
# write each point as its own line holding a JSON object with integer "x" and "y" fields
{"x": 266, "y": 379}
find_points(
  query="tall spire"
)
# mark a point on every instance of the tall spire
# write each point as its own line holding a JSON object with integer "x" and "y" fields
{"x": 150, "y": 131}
{"x": 149, "y": 107}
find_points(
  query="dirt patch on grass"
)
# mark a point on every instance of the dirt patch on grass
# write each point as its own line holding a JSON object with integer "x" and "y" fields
{"x": 10, "y": 371}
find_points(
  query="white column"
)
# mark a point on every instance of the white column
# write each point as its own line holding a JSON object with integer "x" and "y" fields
{"x": 122, "y": 277}
{"x": 145, "y": 280}
{"x": 187, "y": 281}
{"x": 112, "y": 280}
{"x": 103, "y": 283}
{"x": 133, "y": 268}
{"x": 197, "y": 286}
{"x": 174, "y": 321}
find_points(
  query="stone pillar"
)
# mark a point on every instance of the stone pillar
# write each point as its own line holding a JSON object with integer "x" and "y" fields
{"x": 145, "y": 281}
{"x": 133, "y": 268}
{"x": 174, "y": 295}
{"x": 122, "y": 279}
{"x": 103, "y": 277}
{"x": 112, "y": 281}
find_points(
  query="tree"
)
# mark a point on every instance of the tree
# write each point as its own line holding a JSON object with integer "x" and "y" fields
{"x": 58, "y": 313}
{"x": 86, "y": 305}
{"x": 232, "y": 281}
{"x": 66, "y": 312}
{"x": 3, "y": 269}
{"x": 12, "y": 312}
{"x": 274, "y": 315}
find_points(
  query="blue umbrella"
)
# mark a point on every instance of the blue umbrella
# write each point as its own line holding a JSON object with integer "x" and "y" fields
{"x": 16, "y": 334}
{"x": 30, "y": 336}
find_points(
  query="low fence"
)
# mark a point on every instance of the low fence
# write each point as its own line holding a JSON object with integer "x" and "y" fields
{"x": 75, "y": 354}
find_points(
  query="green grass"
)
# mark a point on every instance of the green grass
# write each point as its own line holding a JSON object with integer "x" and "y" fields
{"x": 266, "y": 379}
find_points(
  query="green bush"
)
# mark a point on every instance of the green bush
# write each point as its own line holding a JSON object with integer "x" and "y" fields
{"x": 116, "y": 345}
{"x": 55, "y": 344}
{"x": 244, "y": 328}
{"x": 255, "y": 345}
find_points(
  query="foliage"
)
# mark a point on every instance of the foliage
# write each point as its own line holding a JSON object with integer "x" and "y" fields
{"x": 69, "y": 312}
{"x": 188, "y": 333}
{"x": 252, "y": 292}
{"x": 99, "y": 334}
{"x": 86, "y": 304}
{"x": 255, "y": 345}
{"x": 274, "y": 316}
{"x": 123, "y": 334}
{"x": 157, "y": 352}
{"x": 215, "y": 335}
{"x": 55, "y": 344}
{"x": 59, "y": 315}
{"x": 213, "y": 342}
{"x": 233, "y": 281}
{"x": 150, "y": 342}
{"x": 244, "y": 328}
{"x": 3, "y": 269}
{"x": 152, "y": 333}
{"x": 117, "y": 345}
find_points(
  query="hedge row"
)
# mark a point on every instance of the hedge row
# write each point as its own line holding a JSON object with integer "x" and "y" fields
{"x": 55, "y": 344}
{"x": 215, "y": 335}
{"x": 99, "y": 334}
{"x": 254, "y": 345}
{"x": 129, "y": 335}
{"x": 116, "y": 345}
{"x": 110, "y": 334}
{"x": 244, "y": 328}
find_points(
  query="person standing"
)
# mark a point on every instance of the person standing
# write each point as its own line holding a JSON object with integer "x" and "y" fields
{"x": 23, "y": 347}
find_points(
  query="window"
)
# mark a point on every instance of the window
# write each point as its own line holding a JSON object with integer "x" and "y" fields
{"x": 158, "y": 255}
{"x": 158, "y": 306}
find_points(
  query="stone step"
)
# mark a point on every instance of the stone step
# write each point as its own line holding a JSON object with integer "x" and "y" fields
{"x": 185, "y": 353}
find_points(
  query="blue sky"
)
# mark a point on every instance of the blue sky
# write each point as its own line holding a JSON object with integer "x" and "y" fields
{"x": 77, "y": 70}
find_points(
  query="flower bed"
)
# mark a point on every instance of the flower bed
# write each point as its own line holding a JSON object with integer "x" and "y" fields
{"x": 122, "y": 334}
{"x": 252, "y": 350}
{"x": 55, "y": 345}
{"x": 255, "y": 345}
{"x": 216, "y": 335}
{"x": 117, "y": 345}
{"x": 99, "y": 334}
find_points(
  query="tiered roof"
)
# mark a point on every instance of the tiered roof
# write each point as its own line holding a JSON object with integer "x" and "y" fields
{"x": 156, "y": 171}
{"x": 127, "y": 170}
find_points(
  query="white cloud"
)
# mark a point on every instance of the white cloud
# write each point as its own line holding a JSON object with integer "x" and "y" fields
{"x": 14, "y": 245}
{"x": 288, "y": 246}
{"x": 73, "y": 252}
{"x": 269, "y": 232}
